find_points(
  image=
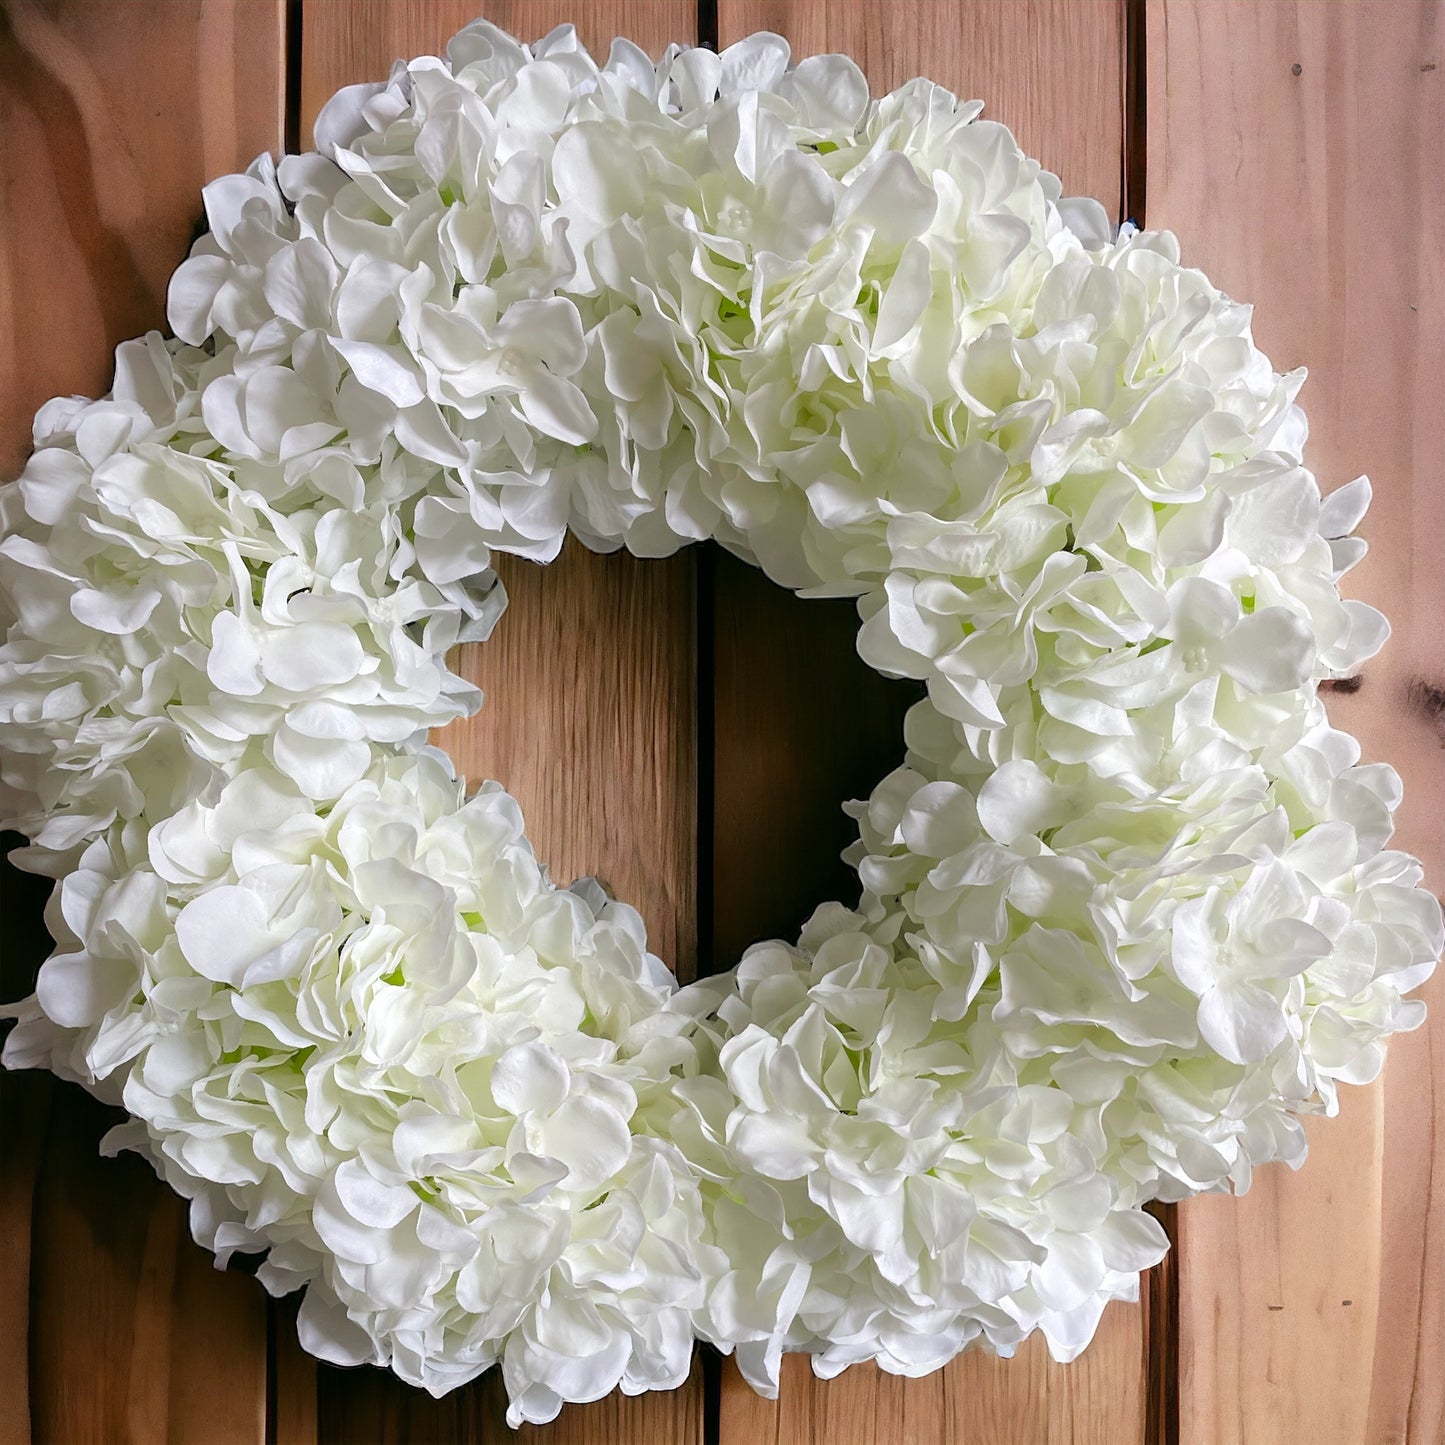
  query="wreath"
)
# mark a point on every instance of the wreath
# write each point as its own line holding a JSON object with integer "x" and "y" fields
{"x": 1126, "y": 910}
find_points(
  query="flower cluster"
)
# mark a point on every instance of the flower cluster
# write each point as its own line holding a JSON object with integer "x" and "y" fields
{"x": 374, "y": 1041}
{"x": 178, "y": 613}
{"x": 1126, "y": 910}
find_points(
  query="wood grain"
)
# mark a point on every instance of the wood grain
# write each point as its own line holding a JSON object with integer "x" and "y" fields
{"x": 977, "y": 1400}
{"x": 590, "y": 724}
{"x": 1296, "y": 148}
{"x": 345, "y": 41}
{"x": 800, "y": 724}
{"x": 291, "y": 1393}
{"x": 590, "y": 719}
{"x": 1050, "y": 70}
{"x": 135, "y": 1336}
{"x": 376, "y": 1407}
{"x": 25, "y": 1103}
{"x": 112, "y": 116}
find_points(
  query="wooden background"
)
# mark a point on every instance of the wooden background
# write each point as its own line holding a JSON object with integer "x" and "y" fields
{"x": 1296, "y": 147}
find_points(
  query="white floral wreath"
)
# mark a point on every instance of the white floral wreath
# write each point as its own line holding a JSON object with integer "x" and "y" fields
{"x": 1127, "y": 909}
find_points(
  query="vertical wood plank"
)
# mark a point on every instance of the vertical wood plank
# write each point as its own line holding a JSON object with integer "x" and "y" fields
{"x": 1296, "y": 149}
{"x": 135, "y": 1335}
{"x": 977, "y": 1400}
{"x": 355, "y": 40}
{"x": 1050, "y": 70}
{"x": 25, "y": 1102}
{"x": 590, "y": 719}
{"x": 291, "y": 1393}
{"x": 800, "y": 723}
{"x": 605, "y": 773}
{"x": 112, "y": 116}
{"x": 373, "y": 1408}
{"x": 590, "y": 723}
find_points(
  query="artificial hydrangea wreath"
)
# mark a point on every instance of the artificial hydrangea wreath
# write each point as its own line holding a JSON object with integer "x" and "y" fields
{"x": 1126, "y": 910}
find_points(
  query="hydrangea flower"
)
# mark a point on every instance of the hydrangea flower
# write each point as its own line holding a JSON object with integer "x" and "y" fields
{"x": 1127, "y": 907}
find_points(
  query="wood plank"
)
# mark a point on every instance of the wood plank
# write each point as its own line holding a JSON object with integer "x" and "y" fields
{"x": 1296, "y": 149}
{"x": 371, "y": 1407}
{"x": 358, "y": 40}
{"x": 977, "y": 1400}
{"x": 555, "y": 748}
{"x": 590, "y": 719}
{"x": 291, "y": 1393}
{"x": 1050, "y": 70}
{"x": 1054, "y": 73}
{"x": 113, "y": 117}
{"x": 785, "y": 755}
{"x": 135, "y": 1336}
{"x": 25, "y": 1103}
{"x": 589, "y": 722}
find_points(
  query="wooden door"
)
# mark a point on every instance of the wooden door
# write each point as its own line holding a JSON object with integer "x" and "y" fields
{"x": 1296, "y": 147}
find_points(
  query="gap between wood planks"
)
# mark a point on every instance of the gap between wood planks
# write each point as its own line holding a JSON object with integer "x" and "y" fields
{"x": 1160, "y": 1286}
